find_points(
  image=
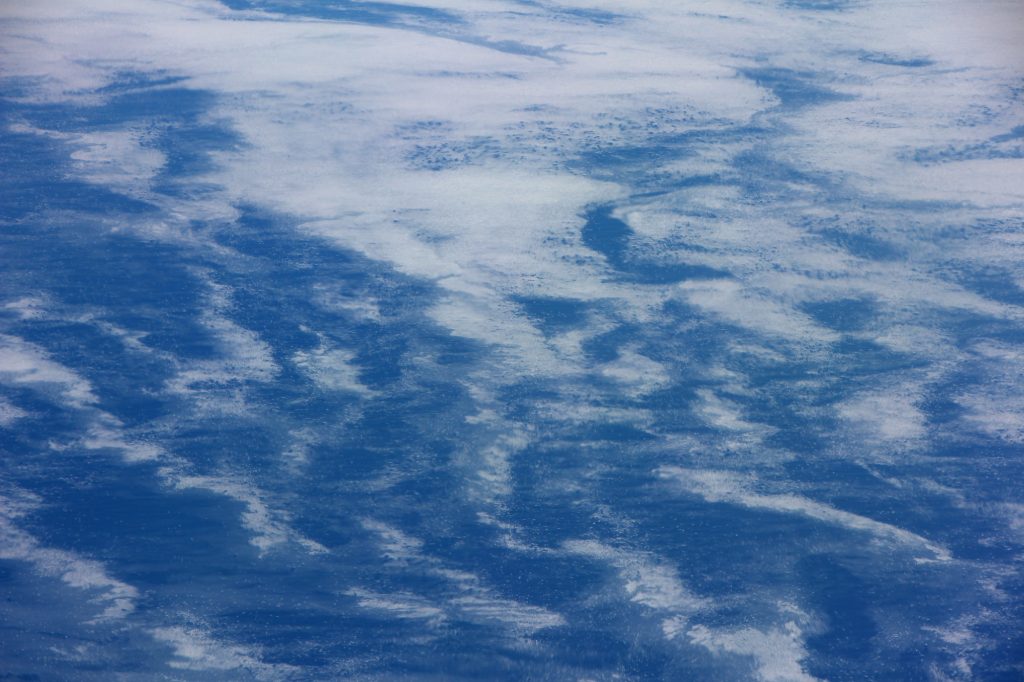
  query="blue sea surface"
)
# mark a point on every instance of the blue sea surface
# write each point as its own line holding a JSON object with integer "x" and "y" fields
{"x": 564, "y": 374}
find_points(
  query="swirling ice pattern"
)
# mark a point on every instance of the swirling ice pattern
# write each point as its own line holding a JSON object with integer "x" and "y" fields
{"x": 511, "y": 339}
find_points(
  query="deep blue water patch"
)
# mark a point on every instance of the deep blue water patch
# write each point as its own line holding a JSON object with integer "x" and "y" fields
{"x": 820, "y": 5}
{"x": 154, "y": 105}
{"x": 375, "y": 13}
{"x": 895, "y": 60}
{"x": 863, "y": 244}
{"x": 795, "y": 89}
{"x": 554, "y": 315}
{"x": 844, "y": 315}
{"x": 420, "y": 18}
{"x": 612, "y": 238}
{"x": 844, "y": 600}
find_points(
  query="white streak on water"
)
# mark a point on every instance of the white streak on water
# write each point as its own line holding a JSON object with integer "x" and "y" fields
{"x": 654, "y": 584}
{"x": 733, "y": 488}
{"x": 22, "y": 363}
{"x": 10, "y": 413}
{"x": 196, "y": 649}
{"x": 468, "y": 596}
{"x": 646, "y": 580}
{"x": 401, "y": 605}
{"x": 269, "y": 528}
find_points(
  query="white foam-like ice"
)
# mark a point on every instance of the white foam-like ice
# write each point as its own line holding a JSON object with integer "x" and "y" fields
{"x": 196, "y": 649}
{"x": 646, "y": 580}
{"x": 995, "y": 404}
{"x": 724, "y": 414}
{"x": 107, "y": 434}
{"x": 10, "y": 413}
{"x": 521, "y": 619}
{"x": 890, "y": 415}
{"x": 754, "y": 310}
{"x": 331, "y": 368}
{"x": 637, "y": 374}
{"x": 399, "y": 605}
{"x": 23, "y": 363}
{"x": 394, "y": 544}
{"x": 777, "y": 652}
{"x": 733, "y": 488}
{"x": 29, "y": 307}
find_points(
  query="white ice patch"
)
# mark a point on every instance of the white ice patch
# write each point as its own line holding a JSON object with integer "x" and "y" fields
{"x": 10, "y": 413}
{"x": 521, "y": 619}
{"x": 29, "y": 307}
{"x": 332, "y": 369}
{"x": 400, "y": 605}
{"x": 733, "y": 488}
{"x": 645, "y": 579}
{"x": 889, "y": 415}
{"x": 492, "y": 466}
{"x": 117, "y": 158}
{"x": 23, "y": 363}
{"x": 777, "y": 653}
{"x": 637, "y": 374}
{"x": 197, "y": 650}
{"x": 296, "y": 453}
{"x": 725, "y": 414}
{"x": 995, "y": 405}
{"x": 363, "y": 309}
{"x": 754, "y": 311}
{"x": 394, "y": 544}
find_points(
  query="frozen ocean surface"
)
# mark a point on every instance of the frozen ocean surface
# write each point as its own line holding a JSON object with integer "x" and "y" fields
{"x": 512, "y": 340}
